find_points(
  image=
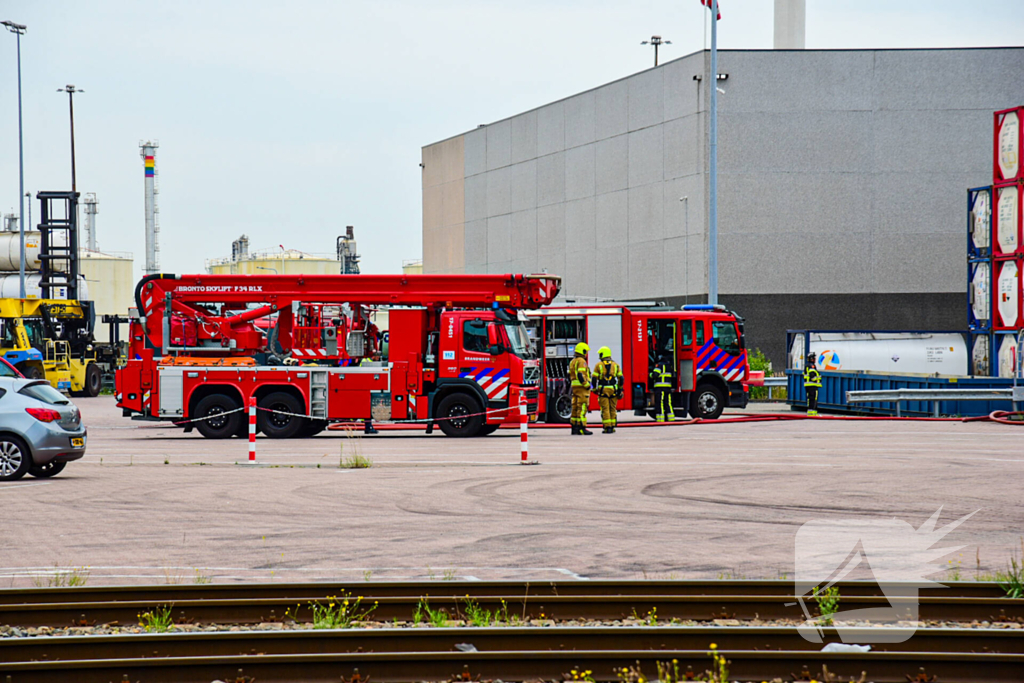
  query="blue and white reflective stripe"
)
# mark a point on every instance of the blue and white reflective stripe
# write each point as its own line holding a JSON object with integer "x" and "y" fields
{"x": 711, "y": 357}
{"x": 493, "y": 382}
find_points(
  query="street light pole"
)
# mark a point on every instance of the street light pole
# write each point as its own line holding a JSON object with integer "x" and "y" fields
{"x": 713, "y": 171}
{"x": 71, "y": 90}
{"x": 656, "y": 41}
{"x": 18, "y": 30}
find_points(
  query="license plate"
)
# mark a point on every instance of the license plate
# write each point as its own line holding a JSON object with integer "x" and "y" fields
{"x": 78, "y": 442}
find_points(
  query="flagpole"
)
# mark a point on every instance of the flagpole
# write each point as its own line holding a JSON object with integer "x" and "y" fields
{"x": 713, "y": 171}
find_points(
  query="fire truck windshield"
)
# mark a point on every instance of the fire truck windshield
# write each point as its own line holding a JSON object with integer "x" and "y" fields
{"x": 519, "y": 340}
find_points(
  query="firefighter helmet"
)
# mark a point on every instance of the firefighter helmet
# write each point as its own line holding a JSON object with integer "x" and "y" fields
{"x": 582, "y": 349}
{"x": 604, "y": 352}
{"x": 812, "y": 358}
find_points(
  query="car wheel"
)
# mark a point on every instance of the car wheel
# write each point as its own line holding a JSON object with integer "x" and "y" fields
{"x": 560, "y": 409}
{"x": 218, "y": 424}
{"x": 707, "y": 402}
{"x": 15, "y": 459}
{"x": 458, "y": 416}
{"x": 50, "y": 469}
{"x": 32, "y": 372}
{"x": 275, "y": 425}
{"x": 93, "y": 380}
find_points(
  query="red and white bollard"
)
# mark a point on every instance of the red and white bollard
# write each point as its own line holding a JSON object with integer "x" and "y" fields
{"x": 252, "y": 429}
{"x": 523, "y": 435}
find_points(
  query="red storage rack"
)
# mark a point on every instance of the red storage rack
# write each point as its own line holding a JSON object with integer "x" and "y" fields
{"x": 1007, "y": 144}
{"x": 1007, "y": 233}
{"x": 1006, "y": 291}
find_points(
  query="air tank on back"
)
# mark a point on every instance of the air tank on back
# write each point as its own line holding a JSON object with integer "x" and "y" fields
{"x": 10, "y": 251}
{"x": 944, "y": 353}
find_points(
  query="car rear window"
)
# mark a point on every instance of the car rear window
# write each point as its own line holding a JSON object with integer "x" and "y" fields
{"x": 45, "y": 393}
{"x": 6, "y": 370}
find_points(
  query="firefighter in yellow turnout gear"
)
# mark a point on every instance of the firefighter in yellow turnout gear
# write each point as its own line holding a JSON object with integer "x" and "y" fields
{"x": 607, "y": 384}
{"x": 812, "y": 383}
{"x": 579, "y": 375}
{"x": 661, "y": 382}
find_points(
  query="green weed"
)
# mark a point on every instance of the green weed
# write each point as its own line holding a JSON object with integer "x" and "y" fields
{"x": 828, "y": 603}
{"x": 336, "y": 612}
{"x": 355, "y": 462}
{"x": 158, "y": 620}
{"x": 437, "y": 618}
{"x": 61, "y": 577}
{"x": 650, "y": 620}
{"x": 200, "y": 577}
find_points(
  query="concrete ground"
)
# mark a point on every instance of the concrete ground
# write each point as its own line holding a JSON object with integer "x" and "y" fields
{"x": 149, "y": 503}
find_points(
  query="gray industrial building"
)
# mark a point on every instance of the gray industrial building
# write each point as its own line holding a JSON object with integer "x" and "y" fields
{"x": 842, "y": 186}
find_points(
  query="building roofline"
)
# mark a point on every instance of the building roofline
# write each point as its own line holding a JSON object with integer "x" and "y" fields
{"x": 701, "y": 52}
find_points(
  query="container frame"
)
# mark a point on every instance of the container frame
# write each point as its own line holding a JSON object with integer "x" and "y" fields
{"x": 996, "y": 344}
{"x": 997, "y": 324}
{"x": 971, "y": 339}
{"x": 1018, "y": 219}
{"x": 997, "y": 119}
{"x": 973, "y": 323}
{"x": 974, "y": 251}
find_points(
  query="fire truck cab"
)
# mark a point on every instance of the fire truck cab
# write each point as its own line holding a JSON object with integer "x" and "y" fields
{"x": 703, "y": 343}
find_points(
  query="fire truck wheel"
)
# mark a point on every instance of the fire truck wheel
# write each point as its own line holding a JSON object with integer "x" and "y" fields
{"x": 707, "y": 402}
{"x": 93, "y": 380}
{"x": 276, "y": 425}
{"x": 218, "y": 426}
{"x": 560, "y": 409}
{"x": 488, "y": 429}
{"x": 451, "y": 412}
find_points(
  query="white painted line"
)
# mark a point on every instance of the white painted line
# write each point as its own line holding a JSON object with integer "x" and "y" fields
{"x": 21, "y": 486}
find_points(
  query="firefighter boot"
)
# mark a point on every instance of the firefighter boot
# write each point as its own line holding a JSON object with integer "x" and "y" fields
{"x": 583, "y": 429}
{"x": 575, "y": 429}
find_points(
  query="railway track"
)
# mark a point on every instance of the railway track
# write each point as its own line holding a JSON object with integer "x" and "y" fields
{"x": 509, "y": 653}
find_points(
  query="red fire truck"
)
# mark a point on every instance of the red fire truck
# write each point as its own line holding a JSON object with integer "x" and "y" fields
{"x": 457, "y": 351}
{"x": 703, "y": 343}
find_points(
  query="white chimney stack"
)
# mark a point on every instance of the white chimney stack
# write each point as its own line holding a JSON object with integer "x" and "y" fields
{"x": 790, "y": 24}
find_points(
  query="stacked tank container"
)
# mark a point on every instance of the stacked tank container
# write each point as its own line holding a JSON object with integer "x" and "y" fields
{"x": 1007, "y": 241}
{"x": 979, "y": 279}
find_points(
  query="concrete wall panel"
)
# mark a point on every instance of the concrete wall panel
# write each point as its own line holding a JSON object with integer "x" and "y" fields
{"x": 580, "y": 229}
{"x": 919, "y": 263}
{"x": 476, "y": 244}
{"x": 646, "y": 270}
{"x": 681, "y": 91}
{"x": 580, "y": 119}
{"x": 795, "y": 262}
{"x": 646, "y": 99}
{"x": 612, "y": 164}
{"x": 551, "y": 232}
{"x": 684, "y": 145}
{"x": 646, "y": 213}
{"x": 550, "y": 129}
{"x": 524, "y": 235}
{"x": 524, "y": 185}
{"x": 551, "y": 179}
{"x": 579, "y": 172}
{"x": 476, "y": 197}
{"x": 612, "y": 219}
{"x": 499, "y": 144}
{"x": 612, "y": 103}
{"x": 922, "y": 142}
{"x": 682, "y": 217}
{"x": 475, "y": 145}
{"x": 646, "y": 156}
{"x": 524, "y": 137}
{"x": 499, "y": 238}
{"x": 612, "y": 266}
{"x": 579, "y": 278}
{"x": 499, "y": 191}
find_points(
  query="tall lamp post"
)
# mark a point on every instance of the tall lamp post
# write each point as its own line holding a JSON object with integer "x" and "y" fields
{"x": 656, "y": 41}
{"x": 713, "y": 161}
{"x": 19, "y": 30}
{"x": 71, "y": 90}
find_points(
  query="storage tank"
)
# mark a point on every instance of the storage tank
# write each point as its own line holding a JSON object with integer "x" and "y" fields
{"x": 1007, "y": 291}
{"x": 1008, "y": 145}
{"x": 288, "y": 262}
{"x": 10, "y": 287}
{"x": 929, "y": 353}
{"x": 1006, "y": 213}
{"x": 111, "y": 285}
{"x": 980, "y": 219}
{"x": 981, "y": 364}
{"x": 981, "y": 294}
{"x": 10, "y": 251}
{"x": 1007, "y": 354}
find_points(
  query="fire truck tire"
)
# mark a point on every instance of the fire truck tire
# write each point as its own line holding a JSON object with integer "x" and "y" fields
{"x": 488, "y": 429}
{"x": 93, "y": 380}
{"x": 218, "y": 426}
{"x": 276, "y": 425}
{"x": 449, "y": 413}
{"x": 707, "y": 402}
{"x": 560, "y": 409}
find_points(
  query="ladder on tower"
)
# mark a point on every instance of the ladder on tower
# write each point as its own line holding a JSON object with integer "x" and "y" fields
{"x": 58, "y": 227}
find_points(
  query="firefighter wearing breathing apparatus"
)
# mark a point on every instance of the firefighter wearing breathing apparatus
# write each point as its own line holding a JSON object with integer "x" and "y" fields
{"x": 661, "y": 382}
{"x": 607, "y": 384}
{"x": 812, "y": 382}
{"x": 579, "y": 374}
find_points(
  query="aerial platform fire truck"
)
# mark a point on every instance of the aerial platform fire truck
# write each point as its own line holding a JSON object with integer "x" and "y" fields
{"x": 702, "y": 342}
{"x": 457, "y": 352}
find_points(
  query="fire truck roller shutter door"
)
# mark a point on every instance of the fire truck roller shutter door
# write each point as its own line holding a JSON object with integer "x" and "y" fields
{"x": 605, "y": 330}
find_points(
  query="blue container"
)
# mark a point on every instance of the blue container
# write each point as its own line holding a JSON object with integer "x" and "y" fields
{"x": 1004, "y": 358}
{"x": 979, "y": 294}
{"x": 979, "y": 222}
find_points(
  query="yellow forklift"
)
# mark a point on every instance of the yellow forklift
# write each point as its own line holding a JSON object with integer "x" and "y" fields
{"x": 52, "y": 339}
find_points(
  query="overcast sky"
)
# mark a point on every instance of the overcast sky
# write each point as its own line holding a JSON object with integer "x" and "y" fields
{"x": 288, "y": 120}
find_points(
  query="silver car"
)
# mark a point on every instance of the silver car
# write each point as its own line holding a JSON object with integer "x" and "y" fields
{"x": 41, "y": 430}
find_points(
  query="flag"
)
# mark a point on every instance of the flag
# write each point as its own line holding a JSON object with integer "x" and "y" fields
{"x": 707, "y": 3}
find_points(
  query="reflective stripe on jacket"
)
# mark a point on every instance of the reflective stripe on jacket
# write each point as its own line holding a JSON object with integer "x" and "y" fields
{"x": 607, "y": 375}
{"x": 662, "y": 376}
{"x": 812, "y": 378}
{"x": 579, "y": 373}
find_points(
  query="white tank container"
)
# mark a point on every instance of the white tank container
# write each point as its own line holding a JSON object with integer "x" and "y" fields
{"x": 981, "y": 364}
{"x": 1007, "y": 217}
{"x": 10, "y": 287}
{"x": 1008, "y": 145}
{"x": 10, "y": 251}
{"x": 891, "y": 352}
{"x": 1007, "y": 294}
{"x": 1007, "y": 355}
{"x": 981, "y": 219}
{"x": 981, "y": 302}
